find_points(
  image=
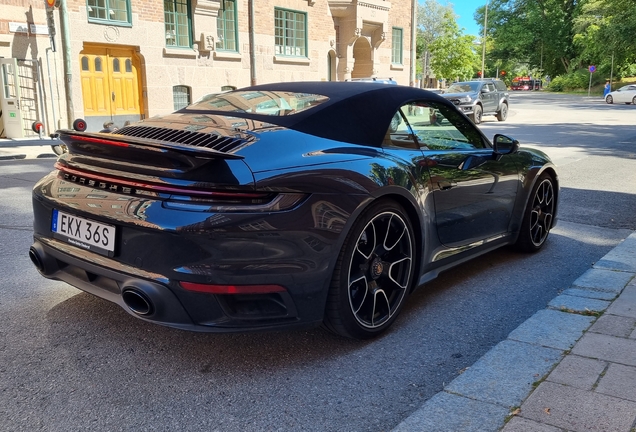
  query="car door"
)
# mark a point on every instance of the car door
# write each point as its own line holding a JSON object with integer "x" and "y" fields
{"x": 474, "y": 190}
{"x": 489, "y": 98}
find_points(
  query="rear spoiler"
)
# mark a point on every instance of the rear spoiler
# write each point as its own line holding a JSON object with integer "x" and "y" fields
{"x": 73, "y": 138}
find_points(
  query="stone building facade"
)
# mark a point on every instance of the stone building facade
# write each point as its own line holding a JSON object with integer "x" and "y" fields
{"x": 130, "y": 59}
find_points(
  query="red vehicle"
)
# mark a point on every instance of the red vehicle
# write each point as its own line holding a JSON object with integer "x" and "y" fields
{"x": 526, "y": 83}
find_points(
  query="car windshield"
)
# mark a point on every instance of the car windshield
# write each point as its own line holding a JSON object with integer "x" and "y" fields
{"x": 273, "y": 103}
{"x": 462, "y": 87}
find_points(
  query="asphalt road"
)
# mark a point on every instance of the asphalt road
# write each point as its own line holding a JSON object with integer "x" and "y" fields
{"x": 70, "y": 361}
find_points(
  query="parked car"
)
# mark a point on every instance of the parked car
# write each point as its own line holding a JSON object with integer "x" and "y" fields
{"x": 373, "y": 79}
{"x": 479, "y": 98}
{"x": 227, "y": 217}
{"x": 625, "y": 94}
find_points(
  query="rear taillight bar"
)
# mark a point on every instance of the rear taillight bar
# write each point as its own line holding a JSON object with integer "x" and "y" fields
{"x": 232, "y": 289}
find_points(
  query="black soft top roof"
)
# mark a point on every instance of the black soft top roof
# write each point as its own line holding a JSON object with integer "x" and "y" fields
{"x": 356, "y": 112}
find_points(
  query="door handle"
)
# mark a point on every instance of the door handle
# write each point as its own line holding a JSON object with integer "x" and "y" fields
{"x": 113, "y": 96}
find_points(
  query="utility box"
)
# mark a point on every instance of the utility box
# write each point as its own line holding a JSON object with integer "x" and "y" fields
{"x": 10, "y": 114}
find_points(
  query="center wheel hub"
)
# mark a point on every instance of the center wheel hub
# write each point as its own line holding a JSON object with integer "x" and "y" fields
{"x": 376, "y": 268}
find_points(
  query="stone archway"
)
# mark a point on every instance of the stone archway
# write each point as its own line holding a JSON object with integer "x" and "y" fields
{"x": 363, "y": 63}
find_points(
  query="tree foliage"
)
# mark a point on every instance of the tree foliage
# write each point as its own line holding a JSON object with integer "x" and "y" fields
{"x": 557, "y": 37}
{"x": 452, "y": 53}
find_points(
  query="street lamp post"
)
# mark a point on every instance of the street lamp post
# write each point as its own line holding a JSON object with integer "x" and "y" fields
{"x": 483, "y": 42}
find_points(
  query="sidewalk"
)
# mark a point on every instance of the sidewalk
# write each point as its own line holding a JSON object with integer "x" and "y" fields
{"x": 571, "y": 366}
{"x": 26, "y": 148}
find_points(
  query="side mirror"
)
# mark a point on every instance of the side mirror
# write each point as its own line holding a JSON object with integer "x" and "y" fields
{"x": 504, "y": 145}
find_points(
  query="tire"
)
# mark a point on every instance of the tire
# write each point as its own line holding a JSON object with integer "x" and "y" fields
{"x": 373, "y": 274}
{"x": 79, "y": 125}
{"x": 502, "y": 114}
{"x": 477, "y": 114}
{"x": 609, "y": 99}
{"x": 634, "y": 100}
{"x": 539, "y": 215}
{"x": 59, "y": 149}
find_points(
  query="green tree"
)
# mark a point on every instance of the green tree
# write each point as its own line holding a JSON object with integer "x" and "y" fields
{"x": 538, "y": 33}
{"x": 431, "y": 16}
{"x": 604, "y": 28}
{"x": 452, "y": 53}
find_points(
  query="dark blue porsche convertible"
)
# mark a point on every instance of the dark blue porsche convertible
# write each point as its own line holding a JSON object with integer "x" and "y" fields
{"x": 286, "y": 205}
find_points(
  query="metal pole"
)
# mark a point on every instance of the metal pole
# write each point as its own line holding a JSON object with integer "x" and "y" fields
{"x": 612, "y": 71}
{"x": 66, "y": 55}
{"x": 250, "y": 7}
{"x": 483, "y": 42}
{"x": 413, "y": 40}
{"x": 48, "y": 69}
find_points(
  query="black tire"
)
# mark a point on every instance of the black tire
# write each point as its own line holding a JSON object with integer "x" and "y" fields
{"x": 79, "y": 125}
{"x": 374, "y": 273}
{"x": 609, "y": 99}
{"x": 477, "y": 114}
{"x": 502, "y": 114}
{"x": 634, "y": 100}
{"x": 59, "y": 149}
{"x": 539, "y": 215}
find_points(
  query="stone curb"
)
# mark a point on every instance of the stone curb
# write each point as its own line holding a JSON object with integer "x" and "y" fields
{"x": 510, "y": 375}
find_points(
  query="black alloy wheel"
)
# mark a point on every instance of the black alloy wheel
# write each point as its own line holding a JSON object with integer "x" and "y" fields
{"x": 374, "y": 273}
{"x": 477, "y": 114}
{"x": 609, "y": 99}
{"x": 539, "y": 215}
{"x": 502, "y": 114}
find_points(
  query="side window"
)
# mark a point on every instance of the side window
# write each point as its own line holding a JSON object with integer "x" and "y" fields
{"x": 400, "y": 133}
{"x": 439, "y": 127}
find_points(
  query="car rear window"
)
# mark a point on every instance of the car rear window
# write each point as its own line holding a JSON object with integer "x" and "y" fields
{"x": 272, "y": 103}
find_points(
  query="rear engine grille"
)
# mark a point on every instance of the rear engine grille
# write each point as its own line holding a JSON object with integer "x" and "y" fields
{"x": 224, "y": 144}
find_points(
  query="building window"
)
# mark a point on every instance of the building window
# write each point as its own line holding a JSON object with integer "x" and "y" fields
{"x": 226, "y": 25}
{"x": 113, "y": 11}
{"x": 181, "y": 97}
{"x": 177, "y": 23}
{"x": 396, "y": 54}
{"x": 290, "y": 33}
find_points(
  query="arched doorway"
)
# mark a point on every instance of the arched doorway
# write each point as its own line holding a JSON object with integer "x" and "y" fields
{"x": 363, "y": 64}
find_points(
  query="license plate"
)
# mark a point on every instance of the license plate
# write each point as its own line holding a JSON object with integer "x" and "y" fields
{"x": 85, "y": 233}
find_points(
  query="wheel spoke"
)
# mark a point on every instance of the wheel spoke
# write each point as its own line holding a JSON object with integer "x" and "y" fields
{"x": 358, "y": 290}
{"x": 407, "y": 272}
{"x": 388, "y": 232}
{"x": 381, "y": 307}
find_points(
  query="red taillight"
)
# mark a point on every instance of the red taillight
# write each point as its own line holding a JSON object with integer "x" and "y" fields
{"x": 156, "y": 187}
{"x": 99, "y": 141}
{"x": 232, "y": 289}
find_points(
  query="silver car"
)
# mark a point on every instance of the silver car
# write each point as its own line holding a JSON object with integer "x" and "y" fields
{"x": 625, "y": 94}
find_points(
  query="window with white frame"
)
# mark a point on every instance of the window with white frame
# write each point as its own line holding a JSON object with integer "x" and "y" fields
{"x": 290, "y": 33}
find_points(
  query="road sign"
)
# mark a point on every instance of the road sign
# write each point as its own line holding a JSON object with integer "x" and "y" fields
{"x": 592, "y": 68}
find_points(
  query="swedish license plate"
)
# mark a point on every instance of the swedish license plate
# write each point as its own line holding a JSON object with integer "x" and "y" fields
{"x": 85, "y": 233}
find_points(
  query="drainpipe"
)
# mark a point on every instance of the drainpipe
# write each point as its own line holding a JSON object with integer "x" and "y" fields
{"x": 66, "y": 56}
{"x": 250, "y": 7}
{"x": 413, "y": 39}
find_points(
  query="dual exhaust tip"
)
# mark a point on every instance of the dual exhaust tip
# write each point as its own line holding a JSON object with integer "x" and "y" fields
{"x": 134, "y": 298}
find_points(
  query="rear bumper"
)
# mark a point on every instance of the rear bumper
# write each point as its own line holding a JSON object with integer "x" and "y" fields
{"x": 155, "y": 298}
